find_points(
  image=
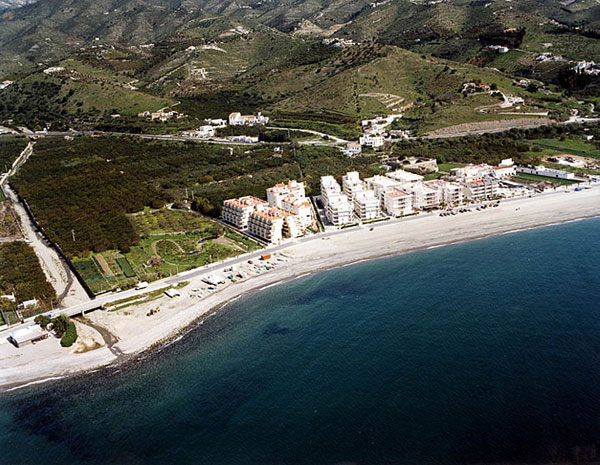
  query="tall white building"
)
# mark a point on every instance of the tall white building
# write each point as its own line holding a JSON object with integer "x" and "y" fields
{"x": 338, "y": 209}
{"x": 451, "y": 193}
{"x": 237, "y": 211}
{"x": 352, "y": 184}
{"x": 299, "y": 206}
{"x": 277, "y": 193}
{"x": 329, "y": 187}
{"x": 381, "y": 184}
{"x": 404, "y": 177}
{"x": 366, "y": 205}
{"x": 480, "y": 189}
{"x": 423, "y": 196}
{"x": 396, "y": 202}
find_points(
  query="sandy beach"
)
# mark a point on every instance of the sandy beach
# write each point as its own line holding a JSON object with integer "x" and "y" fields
{"x": 108, "y": 337}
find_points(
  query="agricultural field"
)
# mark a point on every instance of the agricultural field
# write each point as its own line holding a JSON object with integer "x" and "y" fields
{"x": 171, "y": 241}
{"x": 90, "y": 185}
{"x": 9, "y": 224}
{"x": 10, "y": 148}
{"x": 532, "y": 178}
{"x": 574, "y": 145}
{"x": 21, "y": 275}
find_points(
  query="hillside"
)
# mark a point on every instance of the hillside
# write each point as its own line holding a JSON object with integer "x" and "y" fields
{"x": 454, "y": 29}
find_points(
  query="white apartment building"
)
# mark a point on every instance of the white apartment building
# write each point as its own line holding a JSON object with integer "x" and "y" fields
{"x": 299, "y": 206}
{"x": 381, "y": 184}
{"x": 352, "y": 184}
{"x": 480, "y": 189}
{"x": 329, "y": 187}
{"x": 339, "y": 209}
{"x": 404, "y": 176}
{"x": 278, "y": 192}
{"x": 505, "y": 169}
{"x": 237, "y": 211}
{"x": 396, "y": 202}
{"x": 423, "y": 195}
{"x": 451, "y": 193}
{"x": 471, "y": 172}
{"x": 371, "y": 140}
{"x": 267, "y": 223}
{"x": 366, "y": 205}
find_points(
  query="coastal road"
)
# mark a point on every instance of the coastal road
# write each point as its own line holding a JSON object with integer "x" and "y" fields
{"x": 218, "y": 267}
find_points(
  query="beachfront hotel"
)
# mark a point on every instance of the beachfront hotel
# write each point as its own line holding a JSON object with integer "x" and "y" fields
{"x": 237, "y": 211}
{"x": 339, "y": 210}
{"x": 278, "y": 192}
{"x": 481, "y": 189}
{"x": 274, "y": 224}
{"x": 291, "y": 197}
{"x": 396, "y": 202}
{"x": 366, "y": 205}
{"x": 424, "y": 197}
{"x": 451, "y": 193}
{"x": 286, "y": 214}
{"x": 352, "y": 184}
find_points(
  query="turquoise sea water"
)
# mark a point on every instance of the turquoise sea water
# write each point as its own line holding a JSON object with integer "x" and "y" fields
{"x": 487, "y": 351}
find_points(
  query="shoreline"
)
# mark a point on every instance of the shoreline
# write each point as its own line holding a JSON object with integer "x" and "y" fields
{"x": 304, "y": 260}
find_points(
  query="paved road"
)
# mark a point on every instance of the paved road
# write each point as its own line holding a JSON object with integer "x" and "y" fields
{"x": 219, "y": 266}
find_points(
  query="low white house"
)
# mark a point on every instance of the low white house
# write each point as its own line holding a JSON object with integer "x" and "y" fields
{"x": 371, "y": 140}
{"x": 237, "y": 119}
{"x": 201, "y": 132}
{"x": 353, "y": 148}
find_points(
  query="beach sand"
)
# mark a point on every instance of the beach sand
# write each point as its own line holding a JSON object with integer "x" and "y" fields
{"x": 122, "y": 333}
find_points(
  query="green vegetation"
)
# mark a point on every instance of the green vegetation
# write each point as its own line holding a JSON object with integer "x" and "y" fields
{"x": 22, "y": 276}
{"x": 125, "y": 267}
{"x": 574, "y": 145}
{"x": 10, "y": 149}
{"x": 62, "y": 326}
{"x": 528, "y": 178}
{"x": 171, "y": 241}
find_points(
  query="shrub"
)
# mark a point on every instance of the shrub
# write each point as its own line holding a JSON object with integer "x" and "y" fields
{"x": 70, "y": 335}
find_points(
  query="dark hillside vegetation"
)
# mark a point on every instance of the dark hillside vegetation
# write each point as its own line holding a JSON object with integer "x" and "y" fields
{"x": 10, "y": 148}
{"x": 21, "y": 274}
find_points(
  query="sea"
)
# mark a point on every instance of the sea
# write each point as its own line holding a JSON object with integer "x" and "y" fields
{"x": 479, "y": 352}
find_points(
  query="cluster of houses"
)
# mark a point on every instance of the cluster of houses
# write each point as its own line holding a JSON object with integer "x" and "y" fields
{"x": 401, "y": 193}
{"x": 550, "y": 58}
{"x": 161, "y": 115}
{"x": 338, "y": 42}
{"x": 587, "y": 67}
{"x": 54, "y": 70}
{"x": 375, "y": 132}
{"x": 287, "y": 213}
{"x": 237, "y": 119}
